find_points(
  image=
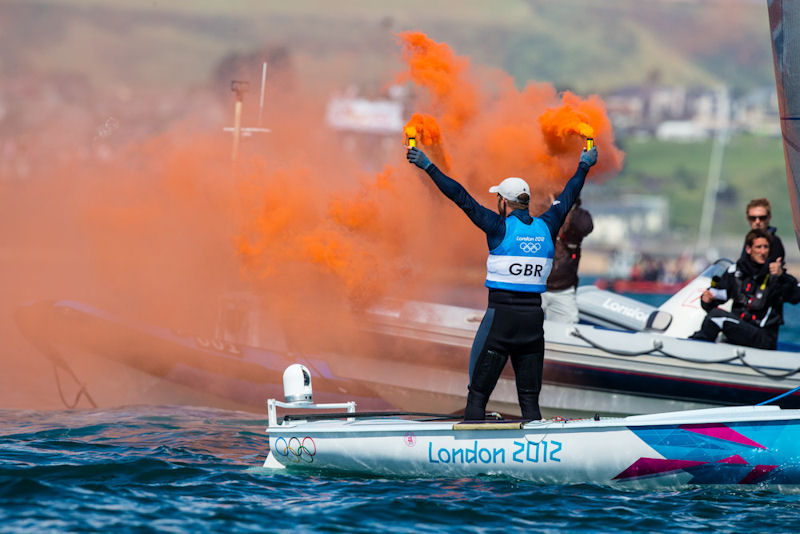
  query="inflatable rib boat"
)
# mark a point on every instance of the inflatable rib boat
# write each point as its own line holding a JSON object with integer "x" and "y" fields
{"x": 626, "y": 358}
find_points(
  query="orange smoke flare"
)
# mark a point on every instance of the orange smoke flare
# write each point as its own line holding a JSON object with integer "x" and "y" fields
{"x": 435, "y": 67}
{"x": 561, "y": 124}
{"x": 429, "y": 135}
{"x": 426, "y": 128}
{"x": 498, "y": 132}
{"x": 585, "y": 130}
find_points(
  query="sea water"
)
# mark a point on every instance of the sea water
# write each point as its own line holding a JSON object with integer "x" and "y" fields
{"x": 187, "y": 469}
{"x": 184, "y": 469}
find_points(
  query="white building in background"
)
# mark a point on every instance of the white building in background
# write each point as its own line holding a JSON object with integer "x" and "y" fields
{"x": 680, "y": 114}
{"x": 372, "y": 128}
{"x": 627, "y": 221}
{"x": 681, "y": 131}
{"x": 382, "y": 117}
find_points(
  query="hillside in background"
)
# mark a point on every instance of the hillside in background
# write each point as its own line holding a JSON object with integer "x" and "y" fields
{"x": 130, "y": 58}
{"x": 752, "y": 167}
{"x": 588, "y": 46}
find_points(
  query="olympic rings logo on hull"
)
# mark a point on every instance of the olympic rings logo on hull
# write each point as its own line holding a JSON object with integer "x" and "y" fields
{"x": 530, "y": 248}
{"x": 295, "y": 449}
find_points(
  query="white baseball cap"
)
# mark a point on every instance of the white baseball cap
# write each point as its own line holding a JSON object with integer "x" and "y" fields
{"x": 511, "y": 188}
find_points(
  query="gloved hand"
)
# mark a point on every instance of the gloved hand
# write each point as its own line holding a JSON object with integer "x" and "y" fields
{"x": 589, "y": 157}
{"x": 418, "y": 158}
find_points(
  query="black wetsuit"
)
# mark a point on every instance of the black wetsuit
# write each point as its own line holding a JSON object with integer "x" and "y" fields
{"x": 757, "y": 309}
{"x": 513, "y": 323}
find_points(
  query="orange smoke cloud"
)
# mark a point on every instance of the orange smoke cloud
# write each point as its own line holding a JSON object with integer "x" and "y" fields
{"x": 346, "y": 241}
{"x": 384, "y": 235}
{"x": 558, "y": 123}
{"x": 430, "y": 136}
{"x": 426, "y": 129}
{"x": 535, "y": 133}
{"x": 436, "y": 68}
{"x": 572, "y": 117}
{"x": 169, "y": 227}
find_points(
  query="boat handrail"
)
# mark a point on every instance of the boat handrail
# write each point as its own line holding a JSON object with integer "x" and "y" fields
{"x": 273, "y": 404}
{"x": 368, "y": 415}
{"x": 489, "y": 425}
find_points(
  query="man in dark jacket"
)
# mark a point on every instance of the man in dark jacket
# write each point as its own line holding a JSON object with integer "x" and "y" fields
{"x": 559, "y": 302}
{"x": 758, "y": 297}
{"x": 759, "y": 215}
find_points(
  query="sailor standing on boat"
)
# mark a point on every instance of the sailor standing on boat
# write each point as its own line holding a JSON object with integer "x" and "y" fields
{"x": 758, "y": 296}
{"x": 520, "y": 258}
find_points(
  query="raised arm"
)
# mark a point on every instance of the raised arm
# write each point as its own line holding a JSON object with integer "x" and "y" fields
{"x": 484, "y": 218}
{"x": 555, "y": 215}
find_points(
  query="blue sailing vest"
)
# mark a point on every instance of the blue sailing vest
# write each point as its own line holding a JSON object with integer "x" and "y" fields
{"x": 522, "y": 261}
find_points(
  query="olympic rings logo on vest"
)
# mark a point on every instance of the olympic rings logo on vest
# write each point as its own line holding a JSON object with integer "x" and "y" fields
{"x": 530, "y": 248}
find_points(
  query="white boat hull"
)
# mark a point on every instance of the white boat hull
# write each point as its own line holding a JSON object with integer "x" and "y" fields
{"x": 739, "y": 446}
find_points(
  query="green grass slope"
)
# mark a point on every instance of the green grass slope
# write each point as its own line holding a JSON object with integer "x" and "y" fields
{"x": 752, "y": 167}
{"x": 588, "y": 46}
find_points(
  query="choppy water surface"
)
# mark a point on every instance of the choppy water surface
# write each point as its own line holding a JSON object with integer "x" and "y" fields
{"x": 181, "y": 469}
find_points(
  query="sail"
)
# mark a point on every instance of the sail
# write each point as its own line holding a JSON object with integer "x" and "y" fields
{"x": 784, "y": 24}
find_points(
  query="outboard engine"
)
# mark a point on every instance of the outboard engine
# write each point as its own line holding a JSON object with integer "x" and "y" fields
{"x": 297, "y": 384}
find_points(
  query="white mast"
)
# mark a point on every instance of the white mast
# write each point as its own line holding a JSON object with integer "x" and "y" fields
{"x": 240, "y": 87}
{"x": 263, "y": 85}
{"x": 714, "y": 173}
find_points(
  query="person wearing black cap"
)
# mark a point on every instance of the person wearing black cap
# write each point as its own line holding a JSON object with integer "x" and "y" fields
{"x": 520, "y": 258}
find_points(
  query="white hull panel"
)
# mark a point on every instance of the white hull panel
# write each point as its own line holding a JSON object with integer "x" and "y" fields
{"x": 747, "y": 446}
